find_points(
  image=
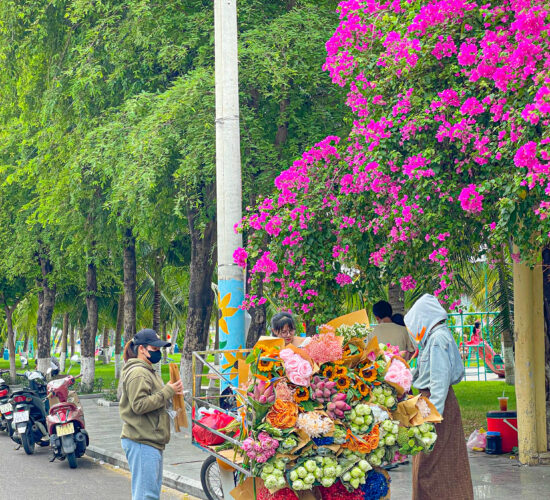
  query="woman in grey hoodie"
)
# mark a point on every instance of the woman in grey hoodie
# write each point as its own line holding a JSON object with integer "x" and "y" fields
{"x": 445, "y": 472}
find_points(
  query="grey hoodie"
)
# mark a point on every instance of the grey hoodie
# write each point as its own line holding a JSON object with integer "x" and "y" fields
{"x": 439, "y": 362}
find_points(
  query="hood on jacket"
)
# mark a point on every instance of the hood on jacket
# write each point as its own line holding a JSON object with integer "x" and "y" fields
{"x": 135, "y": 361}
{"x": 423, "y": 316}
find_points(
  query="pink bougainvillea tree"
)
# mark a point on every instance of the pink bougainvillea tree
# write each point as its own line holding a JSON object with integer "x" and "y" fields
{"x": 448, "y": 154}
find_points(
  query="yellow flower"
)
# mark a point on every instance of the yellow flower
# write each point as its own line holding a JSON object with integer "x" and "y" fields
{"x": 230, "y": 363}
{"x": 363, "y": 388}
{"x": 225, "y": 311}
{"x": 340, "y": 371}
{"x": 265, "y": 366}
{"x": 301, "y": 394}
{"x": 329, "y": 371}
{"x": 343, "y": 383}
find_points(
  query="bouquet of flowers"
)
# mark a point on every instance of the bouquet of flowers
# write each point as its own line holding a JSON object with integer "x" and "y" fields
{"x": 326, "y": 424}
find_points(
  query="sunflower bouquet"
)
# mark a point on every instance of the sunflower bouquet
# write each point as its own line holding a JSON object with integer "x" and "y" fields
{"x": 327, "y": 425}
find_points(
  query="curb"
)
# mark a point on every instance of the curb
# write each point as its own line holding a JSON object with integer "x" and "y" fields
{"x": 169, "y": 479}
{"x": 104, "y": 402}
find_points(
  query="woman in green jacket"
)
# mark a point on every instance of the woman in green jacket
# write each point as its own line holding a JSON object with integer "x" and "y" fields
{"x": 146, "y": 423}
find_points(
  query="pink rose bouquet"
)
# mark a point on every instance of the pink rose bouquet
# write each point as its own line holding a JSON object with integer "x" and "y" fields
{"x": 399, "y": 374}
{"x": 298, "y": 370}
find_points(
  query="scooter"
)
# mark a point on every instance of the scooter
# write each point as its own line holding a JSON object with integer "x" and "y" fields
{"x": 30, "y": 407}
{"x": 6, "y": 410}
{"x": 68, "y": 436}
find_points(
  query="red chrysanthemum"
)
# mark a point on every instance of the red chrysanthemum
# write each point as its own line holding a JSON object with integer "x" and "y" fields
{"x": 338, "y": 492}
{"x": 284, "y": 494}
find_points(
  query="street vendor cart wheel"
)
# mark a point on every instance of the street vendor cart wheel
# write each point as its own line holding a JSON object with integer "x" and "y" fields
{"x": 210, "y": 479}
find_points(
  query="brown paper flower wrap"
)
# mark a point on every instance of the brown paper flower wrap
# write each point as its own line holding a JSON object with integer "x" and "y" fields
{"x": 283, "y": 414}
{"x": 409, "y": 415}
{"x": 352, "y": 360}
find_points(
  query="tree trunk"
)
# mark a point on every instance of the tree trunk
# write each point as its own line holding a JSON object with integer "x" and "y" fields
{"x": 87, "y": 341}
{"x": 396, "y": 297}
{"x": 45, "y": 314}
{"x": 118, "y": 336}
{"x": 129, "y": 286}
{"x": 156, "y": 306}
{"x": 507, "y": 338}
{"x": 64, "y": 333}
{"x": 257, "y": 322}
{"x": 508, "y": 356}
{"x": 72, "y": 340}
{"x": 165, "y": 351}
{"x": 201, "y": 297}
{"x": 546, "y": 291}
{"x": 26, "y": 342}
{"x": 11, "y": 342}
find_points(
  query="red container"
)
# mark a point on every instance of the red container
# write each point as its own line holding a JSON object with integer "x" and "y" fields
{"x": 505, "y": 422}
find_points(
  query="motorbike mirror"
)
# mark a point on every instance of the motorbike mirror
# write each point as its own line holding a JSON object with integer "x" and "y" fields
{"x": 74, "y": 358}
{"x": 49, "y": 372}
{"x": 23, "y": 360}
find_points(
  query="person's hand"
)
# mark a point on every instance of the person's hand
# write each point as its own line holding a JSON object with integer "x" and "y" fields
{"x": 177, "y": 386}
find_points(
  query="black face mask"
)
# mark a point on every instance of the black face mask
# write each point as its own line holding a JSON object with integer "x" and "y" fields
{"x": 154, "y": 356}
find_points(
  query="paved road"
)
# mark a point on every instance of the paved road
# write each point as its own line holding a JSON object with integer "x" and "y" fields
{"x": 23, "y": 477}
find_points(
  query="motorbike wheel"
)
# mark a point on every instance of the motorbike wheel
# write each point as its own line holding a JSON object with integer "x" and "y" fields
{"x": 71, "y": 458}
{"x": 28, "y": 443}
{"x": 210, "y": 479}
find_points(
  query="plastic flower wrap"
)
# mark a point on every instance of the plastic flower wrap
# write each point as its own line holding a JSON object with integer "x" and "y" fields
{"x": 298, "y": 370}
{"x": 314, "y": 423}
{"x": 262, "y": 449}
{"x": 324, "y": 348}
{"x": 283, "y": 414}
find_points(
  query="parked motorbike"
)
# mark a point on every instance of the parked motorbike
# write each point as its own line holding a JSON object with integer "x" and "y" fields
{"x": 68, "y": 436}
{"x": 30, "y": 407}
{"x": 6, "y": 410}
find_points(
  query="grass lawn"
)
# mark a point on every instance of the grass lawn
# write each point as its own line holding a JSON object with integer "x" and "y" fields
{"x": 477, "y": 398}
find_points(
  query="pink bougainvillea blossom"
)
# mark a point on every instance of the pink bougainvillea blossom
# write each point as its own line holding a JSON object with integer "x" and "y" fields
{"x": 470, "y": 199}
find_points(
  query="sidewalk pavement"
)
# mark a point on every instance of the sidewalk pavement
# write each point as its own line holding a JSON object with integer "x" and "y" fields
{"x": 182, "y": 460}
{"x": 495, "y": 477}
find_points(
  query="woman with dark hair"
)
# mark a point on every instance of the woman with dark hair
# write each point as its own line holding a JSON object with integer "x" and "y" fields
{"x": 146, "y": 424}
{"x": 284, "y": 327}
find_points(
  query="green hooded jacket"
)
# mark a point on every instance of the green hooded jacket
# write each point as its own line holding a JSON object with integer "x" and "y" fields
{"x": 143, "y": 405}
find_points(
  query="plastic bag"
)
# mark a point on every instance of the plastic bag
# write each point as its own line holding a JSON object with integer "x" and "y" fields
{"x": 477, "y": 440}
{"x": 216, "y": 420}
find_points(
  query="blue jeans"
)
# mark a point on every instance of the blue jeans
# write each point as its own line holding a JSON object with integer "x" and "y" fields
{"x": 146, "y": 467}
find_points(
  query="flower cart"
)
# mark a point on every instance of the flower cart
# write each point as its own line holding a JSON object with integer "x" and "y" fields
{"x": 318, "y": 421}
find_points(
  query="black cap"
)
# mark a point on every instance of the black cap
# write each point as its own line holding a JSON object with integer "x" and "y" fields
{"x": 149, "y": 337}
